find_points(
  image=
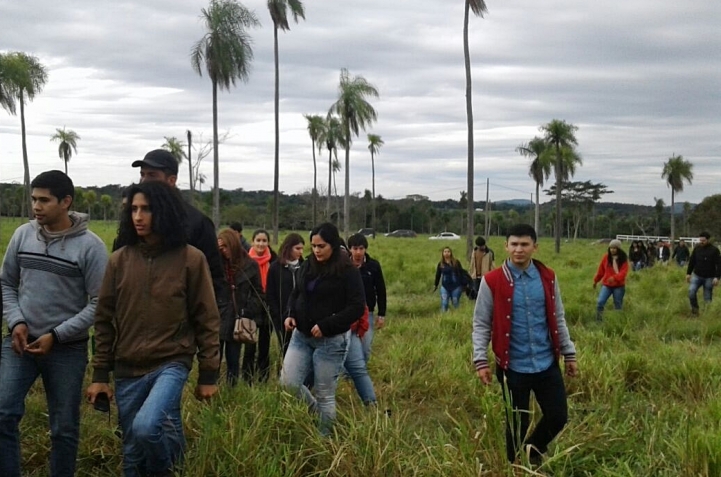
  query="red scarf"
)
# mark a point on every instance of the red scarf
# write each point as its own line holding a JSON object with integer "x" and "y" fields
{"x": 264, "y": 264}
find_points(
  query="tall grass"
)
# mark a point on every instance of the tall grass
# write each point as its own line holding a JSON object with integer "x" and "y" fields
{"x": 647, "y": 401}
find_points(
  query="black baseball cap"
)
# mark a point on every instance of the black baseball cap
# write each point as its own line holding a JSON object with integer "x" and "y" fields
{"x": 159, "y": 159}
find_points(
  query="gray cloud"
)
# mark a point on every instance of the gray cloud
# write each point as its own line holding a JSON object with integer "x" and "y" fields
{"x": 640, "y": 79}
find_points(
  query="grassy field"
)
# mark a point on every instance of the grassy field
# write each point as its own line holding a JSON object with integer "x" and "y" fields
{"x": 647, "y": 401}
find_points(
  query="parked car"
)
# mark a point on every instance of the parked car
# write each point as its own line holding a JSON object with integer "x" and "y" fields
{"x": 368, "y": 232}
{"x": 402, "y": 233}
{"x": 445, "y": 236}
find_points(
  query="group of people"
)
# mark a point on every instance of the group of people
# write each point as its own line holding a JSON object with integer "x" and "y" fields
{"x": 454, "y": 279}
{"x": 170, "y": 291}
{"x": 703, "y": 269}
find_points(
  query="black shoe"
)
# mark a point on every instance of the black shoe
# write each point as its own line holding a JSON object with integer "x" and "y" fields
{"x": 694, "y": 311}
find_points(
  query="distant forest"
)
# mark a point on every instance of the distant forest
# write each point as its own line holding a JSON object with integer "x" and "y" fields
{"x": 415, "y": 212}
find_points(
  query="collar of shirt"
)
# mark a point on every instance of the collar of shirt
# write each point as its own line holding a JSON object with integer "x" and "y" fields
{"x": 530, "y": 272}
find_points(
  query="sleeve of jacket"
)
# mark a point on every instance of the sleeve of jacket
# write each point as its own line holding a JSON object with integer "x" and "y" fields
{"x": 258, "y": 300}
{"x": 472, "y": 266}
{"x": 10, "y": 284}
{"x": 105, "y": 332}
{"x": 355, "y": 303}
{"x": 601, "y": 270}
{"x": 380, "y": 286}
{"x": 93, "y": 266}
{"x": 205, "y": 319}
{"x": 438, "y": 275}
{"x": 272, "y": 291}
{"x": 207, "y": 242}
{"x": 691, "y": 262}
{"x": 622, "y": 272}
{"x": 568, "y": 349}
{"x": 482, "y": 323}
{"x": 718, "y": 263}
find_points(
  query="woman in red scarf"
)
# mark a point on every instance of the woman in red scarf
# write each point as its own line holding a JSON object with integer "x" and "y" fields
{"x": 263, "y": 255}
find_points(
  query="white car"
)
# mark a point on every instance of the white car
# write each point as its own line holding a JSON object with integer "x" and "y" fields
{"x": 445, "y": 236}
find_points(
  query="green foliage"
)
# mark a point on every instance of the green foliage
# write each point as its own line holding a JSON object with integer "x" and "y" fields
{"x": 707, "y": 216}
{"x": 647, "y": 402}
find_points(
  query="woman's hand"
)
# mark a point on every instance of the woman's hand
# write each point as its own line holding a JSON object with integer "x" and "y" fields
{"x": 316, "y": 332}
{"x": 289, "y": 324}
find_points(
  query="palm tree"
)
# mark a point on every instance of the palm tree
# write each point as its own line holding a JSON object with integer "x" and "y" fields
{"x": 25, "y": 77}
{"x": 7, "y": 102}
{"x": 331, "y": 137}
{"x": 225, "y": 51}
{"x": 561, "y": 137}
{"x": 175, "y": 148}
{"x": 316, "y": 126}
{"x": 676, "y": 171}
{"x": 279, "y": 13}
{"x": 374, "y": 145}
{"x": 540, "y": 169}
{"x": 336, "y": 168}
{"x": 479, "y": 8}
{"x": 355, "y": 114}
{"x": 68, "y": 144}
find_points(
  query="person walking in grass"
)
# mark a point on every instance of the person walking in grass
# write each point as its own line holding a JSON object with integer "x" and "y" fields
{"x": 156, "y": 310}
{"x": 520, "y": 313}
{"x": 611, "y": 273}
{"x": 637, "y": 255}
{"x": 374, "y": 286}
{"x": 704, "y": 270}
{"x": 681, "y": 253}
{"x": 242, "y": 277}
{"x": 482, "y": 260}
{"x": 281, "y": 282}
{"x": 51, "y": 276}
{"x": 450, "y": 275}
{"x": 264, "y": 256}
{"x": 327, "y": 300}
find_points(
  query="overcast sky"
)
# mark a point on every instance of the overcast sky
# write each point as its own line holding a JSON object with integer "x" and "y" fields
{"x": 640, "y": 78}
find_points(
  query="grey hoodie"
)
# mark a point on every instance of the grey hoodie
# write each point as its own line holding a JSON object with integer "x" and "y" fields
{"x": 50, "y": 281}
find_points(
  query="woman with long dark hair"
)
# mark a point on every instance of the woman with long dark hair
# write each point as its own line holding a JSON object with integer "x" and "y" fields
{"x": 242, "y": 277}
{"x": 612, "y": 274}
{"x": 281, "y": 282}
{"x": 327, "y": 300}
{"x": 263, "y": 255}
{"x": 156, "y": 310}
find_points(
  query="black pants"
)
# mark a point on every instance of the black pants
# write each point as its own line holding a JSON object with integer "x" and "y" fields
{"x": 262, "y": 367}
{"x": 550, "y": 393}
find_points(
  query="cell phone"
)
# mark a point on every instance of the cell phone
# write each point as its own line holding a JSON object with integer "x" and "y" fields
{"x": 102, "y": 402}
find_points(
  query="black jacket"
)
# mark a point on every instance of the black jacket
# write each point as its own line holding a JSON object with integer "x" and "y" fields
{"x": 681, "y": 254}
{"x": 374, "y": 285}
{"x": 248, "y": 299}
{"x": 333, "y": 302}
{"x": 280, "y": 284}
{"x": 201, "y": 235}
{"x": 705, "y": 262}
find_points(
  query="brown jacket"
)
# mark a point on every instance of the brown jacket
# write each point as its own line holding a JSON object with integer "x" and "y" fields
{"x": 481, "y": 263}
{"x": 155, "y": 307}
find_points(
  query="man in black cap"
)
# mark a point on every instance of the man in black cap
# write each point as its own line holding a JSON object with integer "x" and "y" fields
{"x": 160, "y": 165}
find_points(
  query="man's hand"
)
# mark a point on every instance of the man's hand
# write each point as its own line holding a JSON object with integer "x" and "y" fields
{"x": 20, "y": 338}
{"x": 98, "y": 388}
{"x": 571, "y": 369}
{"x": 715, "y": 282}
{"x": 205, "y": 391}
{"x": 316, "y": 332}
{"x": 594, "y": 285}
{"x": 688, "y": 278}
{"x": 41, "y": 346}
{"x": 289, "y": 324}
{"x": 380, "y": 322}
{"x": 485, "y": 376}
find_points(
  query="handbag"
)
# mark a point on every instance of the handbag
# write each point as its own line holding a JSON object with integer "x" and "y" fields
{"x": 245, "y": 329}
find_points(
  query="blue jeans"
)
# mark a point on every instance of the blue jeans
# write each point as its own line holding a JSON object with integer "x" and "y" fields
{"x": 367, "y": 339}
{"x": 606, "y": 293}
{"x": 355, "y": 366}
{"x": 638, "y": 265}
{"x": 696, "y": 283}
{"x": 454, "y": 295}
{"x": 149, "y": 414}
{"x": 62, "y": 372}
{"x": 324, "y": 357}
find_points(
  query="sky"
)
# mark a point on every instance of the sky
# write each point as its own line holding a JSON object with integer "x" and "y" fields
{"x": 640, "y": 78}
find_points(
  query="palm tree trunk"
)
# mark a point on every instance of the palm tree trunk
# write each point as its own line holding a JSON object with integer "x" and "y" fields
{"x": 276, "y": 170}
{"x": 346, "y": 201}
{"x": 216, "y": 161}
{"x": 673, "y": 218}
{"x": 190, "y": 167}
{"x": 66, "y": 159}
{"x": 330, "y": 184}
{"x": 26, "y": 164}
{"x": 469, "y": 118}
{"x": 557, "y": 232}
{"x": 373, "y": 175}
{"x": 537, "y": 218}
{"x": 315, "y": 181}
